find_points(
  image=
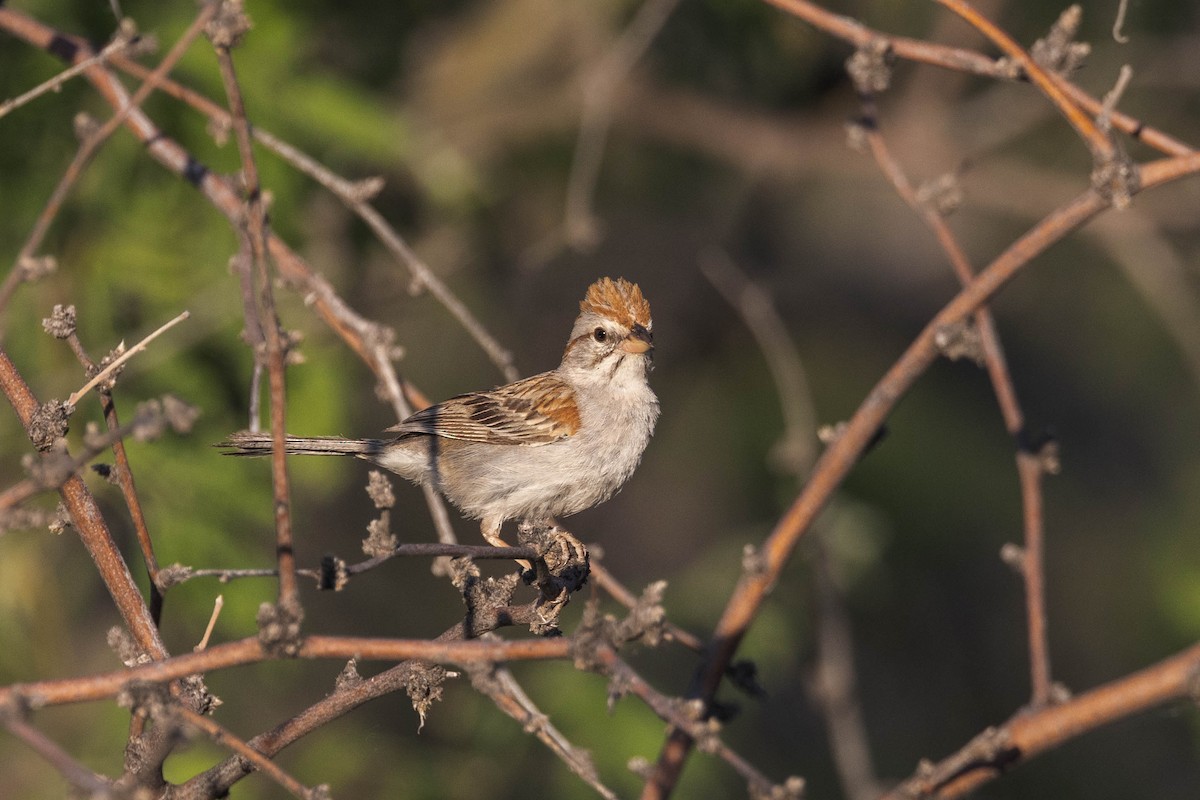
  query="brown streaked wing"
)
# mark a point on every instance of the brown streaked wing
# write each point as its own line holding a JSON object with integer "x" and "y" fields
{"x": 537, "y": 410}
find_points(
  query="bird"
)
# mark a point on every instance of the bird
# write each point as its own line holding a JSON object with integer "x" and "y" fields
{"x": 547, "y": 446}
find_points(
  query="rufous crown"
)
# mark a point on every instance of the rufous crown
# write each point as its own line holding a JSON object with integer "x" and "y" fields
{"x": 618, "y": 300}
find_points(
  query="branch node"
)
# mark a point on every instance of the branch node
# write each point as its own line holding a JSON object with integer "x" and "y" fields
{"x": 1013, "y": 555}
{"x": 366, "y": 190}
{"x": 61, "y": 519}
{"x": 1059, "y": 693}
{"x": 1058, "y": 51}
{"x": 85, "y": 126}
{"x": 333, "y": 574}
{"x": 14, "y": 519}
{"x": 1116, "y": 178}
{"x": 424, "y": 687}
{"x": 196, "y": 695}
{"x": 791, "y": 789}
{"x": 227, "y": 27}
{"x": 121, "y": 643}
{"x": 150, "y": 699}
{"x": 149, "y": 422}
{"x": 380, "y": 540}
{"x": 1044, "y": 446}
{"x": 464, "y": 575}
{"x": 379, "y": 489}
{"x": 279, "y": 629}
{"x": 743, "y": 674}
{"x": 960, "y": 340}
{"x": 180, "y": 415}
{"x": 61, "y": 322}
{"x": 34, "y": 268}
{"x": 943, "y": 194}
{"x": 598, "y": 634}
{"x": 992, "y": 748}
{"x": 871, "y": 67}
{"x": 48, "y": 424}
{"x": 641, "y": 767}
{"x": 830, "y": 433}
{"x": 348, "y": 679}
{"x": 487, "y": 600}
{"x": 754, "y": 563}
{"x": 857, "y": 134}
{"x": 170, "y": 575}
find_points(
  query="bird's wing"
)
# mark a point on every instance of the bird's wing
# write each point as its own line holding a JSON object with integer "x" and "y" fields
{"x": 536, "y": 410}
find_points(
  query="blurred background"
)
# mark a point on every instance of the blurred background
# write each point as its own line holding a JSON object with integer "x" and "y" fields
{"x": 724, "y": 142}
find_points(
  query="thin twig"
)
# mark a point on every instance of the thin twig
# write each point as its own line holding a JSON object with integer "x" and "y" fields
{"x": 255, "y": 222}
{"x": 619, "y": 592}
{"x": 1113, "y": 96}
{"x": 411, "y": 550}
{"x": 600, "y": 85}
{"x": 796, "y": 450}
{"x": 73, "y": 771}
{"x": 1119, "y": 23}
{"x": 218, "y": 604}
{"x": 383, "y": 367}
{"x": 368, "y": 339}
{"x": 63, "y": 470}
{"x": 833, "y": 684}
{"x": 499, "y": 685}
{"x": 347, "y": 696}
{"x": 835, "y": 463}
{"x": 92, "y": 143}
{"x": 117, "y": 45}
{"x": 226, "y": 738}
{"x": 1030, "y": 468}
{"x": 355, "y": 196}
{"x": 624, "y": 679}
{"x": 1049, "y": 84}
{"x": 120, "y": 360}
{"x": 967, "y": 61}
{"x": 124, "y": 476}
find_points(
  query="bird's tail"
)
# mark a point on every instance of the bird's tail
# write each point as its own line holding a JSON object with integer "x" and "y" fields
{"x": 249, "y": 443}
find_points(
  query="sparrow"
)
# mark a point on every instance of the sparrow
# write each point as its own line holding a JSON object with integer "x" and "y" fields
{"x": 548, "y": 446}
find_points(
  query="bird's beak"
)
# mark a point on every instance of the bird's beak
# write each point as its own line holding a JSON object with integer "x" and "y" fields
{"x": 638, "y": 341}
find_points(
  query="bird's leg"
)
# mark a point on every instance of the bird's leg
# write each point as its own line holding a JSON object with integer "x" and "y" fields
{"x": 490, "y": 528}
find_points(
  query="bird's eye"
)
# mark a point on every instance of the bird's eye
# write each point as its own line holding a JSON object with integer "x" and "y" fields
{"x": 600, "y": 334}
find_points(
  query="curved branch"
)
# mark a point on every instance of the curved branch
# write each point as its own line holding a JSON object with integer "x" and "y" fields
{"x": 835, "y": 463}
{"x": 960, "y": 60}
{"x": 1029, "y": 735}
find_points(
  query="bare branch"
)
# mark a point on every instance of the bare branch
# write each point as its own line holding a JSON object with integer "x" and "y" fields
{"x": 120, "y": 360}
